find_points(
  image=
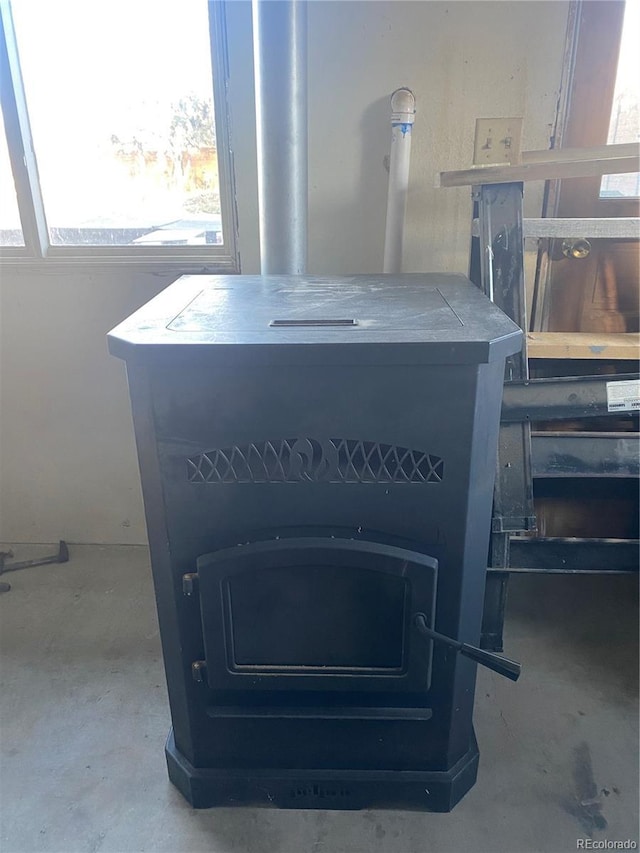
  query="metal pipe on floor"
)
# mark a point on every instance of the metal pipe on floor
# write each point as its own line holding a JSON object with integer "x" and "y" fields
{"x": 280, "y": 62}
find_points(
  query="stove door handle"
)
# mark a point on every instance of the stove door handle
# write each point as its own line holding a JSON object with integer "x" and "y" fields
{"x": 503, "y": 666}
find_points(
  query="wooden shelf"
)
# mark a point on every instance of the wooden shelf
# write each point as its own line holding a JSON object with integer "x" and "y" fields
{"x": 550, "y": 165}
{"x": 612, "y": 227}
{"x": 592, "y": 345}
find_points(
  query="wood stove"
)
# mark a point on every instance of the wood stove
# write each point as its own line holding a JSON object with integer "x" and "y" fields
{"x": 317, "y": 459}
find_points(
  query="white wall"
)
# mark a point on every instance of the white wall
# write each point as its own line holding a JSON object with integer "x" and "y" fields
{"x": 462, "y": 60}
{"x": 68, "y": 464}
{"x": 67, "y": 459}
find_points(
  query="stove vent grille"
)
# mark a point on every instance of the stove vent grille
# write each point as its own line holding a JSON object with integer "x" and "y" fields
{"x": 297, "y": 460}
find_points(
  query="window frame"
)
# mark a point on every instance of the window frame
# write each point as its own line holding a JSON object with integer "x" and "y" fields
{"x": 38, "y": 250}
{"x": 590, "y": 65}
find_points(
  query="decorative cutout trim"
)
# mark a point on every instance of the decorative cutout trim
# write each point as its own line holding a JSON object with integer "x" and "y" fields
{"x": 298, "y": 460}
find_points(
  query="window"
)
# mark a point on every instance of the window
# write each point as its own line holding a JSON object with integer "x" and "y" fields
{"x": 130, "y": 155}
{"x": 624, "y": 124}
{"x": 10, "y": 227}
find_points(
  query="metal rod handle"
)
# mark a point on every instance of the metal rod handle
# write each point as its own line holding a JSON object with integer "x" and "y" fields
{"x": 503, "y": 666}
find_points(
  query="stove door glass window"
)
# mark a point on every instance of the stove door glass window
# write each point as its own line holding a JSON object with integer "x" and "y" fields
{"x": 316, "y": 617}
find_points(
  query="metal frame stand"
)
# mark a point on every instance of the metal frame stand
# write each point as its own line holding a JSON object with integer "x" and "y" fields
{"x": 497, "y": 267}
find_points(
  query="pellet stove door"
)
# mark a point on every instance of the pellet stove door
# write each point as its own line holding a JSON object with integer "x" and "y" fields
{"x": 316, "y": 614}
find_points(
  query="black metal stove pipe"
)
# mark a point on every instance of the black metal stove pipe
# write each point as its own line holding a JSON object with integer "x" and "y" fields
{"x": 503, "y": 666}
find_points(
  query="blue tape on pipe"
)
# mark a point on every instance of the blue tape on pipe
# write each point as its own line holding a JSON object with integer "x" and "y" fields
{"x": 405, "y": 127}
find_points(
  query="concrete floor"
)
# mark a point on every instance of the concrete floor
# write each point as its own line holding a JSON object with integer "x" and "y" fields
{"x": 84, "y": 718}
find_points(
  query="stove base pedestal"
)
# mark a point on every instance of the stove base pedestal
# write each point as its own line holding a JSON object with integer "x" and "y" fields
{"x": 437, "y": 791}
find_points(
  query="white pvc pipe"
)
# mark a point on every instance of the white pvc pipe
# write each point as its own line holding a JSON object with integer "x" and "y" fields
{"x": 403, "y": 110}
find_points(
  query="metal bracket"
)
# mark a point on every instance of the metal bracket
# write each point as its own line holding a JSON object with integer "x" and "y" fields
{"x": 199, "y": 671}
{"x": 499, "y": 271}
{"x": 190, "y": 584}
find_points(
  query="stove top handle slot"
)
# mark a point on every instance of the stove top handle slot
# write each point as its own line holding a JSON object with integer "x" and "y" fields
{"x": 311, "y": 323}
{"x": 503, "y": 666}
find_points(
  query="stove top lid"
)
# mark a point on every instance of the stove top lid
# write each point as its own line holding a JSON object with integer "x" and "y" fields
{"x": 416, "y": 318}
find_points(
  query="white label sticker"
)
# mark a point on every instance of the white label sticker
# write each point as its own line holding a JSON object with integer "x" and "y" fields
{"x": 623, "y": 396}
